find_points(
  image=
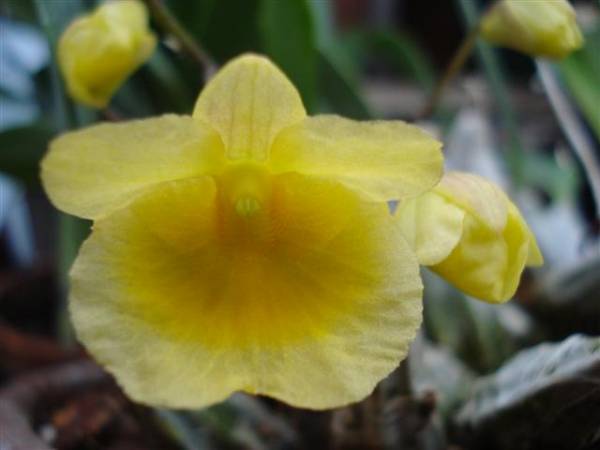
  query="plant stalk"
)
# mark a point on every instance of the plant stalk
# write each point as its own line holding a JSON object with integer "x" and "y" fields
{"x": 189, "y": 45}
{"x": 458, "y": 61}
{"x": 498, "y": 84}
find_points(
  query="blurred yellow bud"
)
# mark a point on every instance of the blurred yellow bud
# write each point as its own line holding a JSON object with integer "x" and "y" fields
{"x": 469, "y": 232}
{"x": 536, "y": 27}
{"x": 99, "y": 51}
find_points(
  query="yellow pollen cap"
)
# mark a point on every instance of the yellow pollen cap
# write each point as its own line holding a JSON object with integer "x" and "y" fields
{"x": 247, "y": 206}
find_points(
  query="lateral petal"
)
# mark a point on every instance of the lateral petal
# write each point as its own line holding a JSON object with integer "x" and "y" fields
{"x": 432, "y": 225}
{"x": 386, "y": 160}
{"x": 93, "y": 171}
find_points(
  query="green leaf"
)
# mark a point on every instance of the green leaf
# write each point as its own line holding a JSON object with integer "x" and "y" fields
{"x": 238, "y": 422}
{"x": 545, "y": 397}
{"x": 225, "y": 28}
{"x": 288, "y": 38}
{"x": 337, "y": 87}
{"x": 323, "y": 22}
{"x": 54, "y": 18}
{"x": 338, "y": 68}
{"x": 22, "y": 150}
{"x": 18, "y": 9}
{"x": 558, "y": 181}
{"x": 196, "y": 15}
{"x": 401, "y": 52}
{"x": 183, "y": 429}
{"x": 581, "y": 72}
{"x": 166, "y": 85}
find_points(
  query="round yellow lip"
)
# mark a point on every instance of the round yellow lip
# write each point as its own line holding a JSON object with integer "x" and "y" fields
{"x": 316, "y": 287}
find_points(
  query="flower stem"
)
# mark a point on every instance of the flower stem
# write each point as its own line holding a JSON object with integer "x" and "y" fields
{"x": 458, "y": 61}
{"x": 171, "y": 25}
{"x": 498, "y": 84}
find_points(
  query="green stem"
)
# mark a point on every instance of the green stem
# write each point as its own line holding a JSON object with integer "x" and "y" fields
{"x": 171, "y": 25}
{"x": 458, "y": 61}
{"x": 498, "y": 83}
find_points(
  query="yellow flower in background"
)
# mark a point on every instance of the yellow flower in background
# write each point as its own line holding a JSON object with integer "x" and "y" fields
{"x": 245, "y": 248}
{"x": 469, "y": 232}
{"x": 97, "y": 52}
{"x": 536, "y": 27}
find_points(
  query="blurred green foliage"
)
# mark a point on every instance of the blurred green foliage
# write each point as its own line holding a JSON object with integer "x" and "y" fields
{"x": 581, "y": 73}
{"x": 301, "y": 38}
{"x": 23, "y": 148}
{"x": 288, "y": 37}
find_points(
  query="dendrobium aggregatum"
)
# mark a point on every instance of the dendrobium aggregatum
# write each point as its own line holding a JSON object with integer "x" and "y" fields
{"x": 245, "y": 248}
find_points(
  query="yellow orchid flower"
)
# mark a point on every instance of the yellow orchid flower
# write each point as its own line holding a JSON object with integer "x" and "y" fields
{"x": 469, "y": 232}
{"x": 536, "y": 27}
{"x": 97, "y": 52}
{"x": 245, "y": 248}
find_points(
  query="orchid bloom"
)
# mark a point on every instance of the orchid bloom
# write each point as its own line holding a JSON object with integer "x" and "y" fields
{"x": 247, "y": 247}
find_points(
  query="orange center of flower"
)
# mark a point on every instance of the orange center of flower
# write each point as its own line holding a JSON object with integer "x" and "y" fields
{"x": 248, "y": 258}
{"x": 245, "y": 207}
{"x": 246, "y": 187}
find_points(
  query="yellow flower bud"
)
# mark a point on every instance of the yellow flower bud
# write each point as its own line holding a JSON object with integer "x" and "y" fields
{"x": 469, "y": 232}
{"x": 536, "y": 27}
{"x": 99, "y": 51}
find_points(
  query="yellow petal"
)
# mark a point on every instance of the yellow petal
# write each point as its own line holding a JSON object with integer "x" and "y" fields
{"x": 534, "y": 254}
{"x": 478, "y": 264}
{"x": 383, "y": 160}
{"x": 535, "y": 257}
{"x": 93, "y": 171}
{"x": 539, "y": 28}
{"x": 495, "y": 244}
{"x": 432, "y": 225}
{"x": 476, "y": 195}
{"x": 248, "y": 102}
{"x": 517, "y": 238}
{"x": 99, "y": 51}
{"x": 312, "y": 297}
